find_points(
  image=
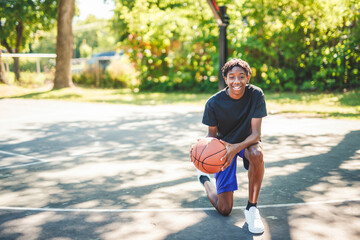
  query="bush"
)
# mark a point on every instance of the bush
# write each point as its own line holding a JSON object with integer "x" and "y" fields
{"x": 32, "y": 79}
{"x": 120, "y": 73}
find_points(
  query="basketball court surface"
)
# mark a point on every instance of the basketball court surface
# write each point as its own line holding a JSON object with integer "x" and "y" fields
{"x": 99, "y": 171}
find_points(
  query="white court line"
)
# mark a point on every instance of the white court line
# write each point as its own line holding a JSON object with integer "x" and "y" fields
{"x": 39, "y": 161}
{"x": 89, "y": 210}
{"x": 20, "y": 155}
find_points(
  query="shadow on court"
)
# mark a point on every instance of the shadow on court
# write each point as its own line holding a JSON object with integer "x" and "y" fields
{"x": 93, "y": 171}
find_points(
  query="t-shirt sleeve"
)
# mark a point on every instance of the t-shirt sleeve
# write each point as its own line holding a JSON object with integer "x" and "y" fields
{"x": 209, "y": 117}
{"x": 260, "y": 109}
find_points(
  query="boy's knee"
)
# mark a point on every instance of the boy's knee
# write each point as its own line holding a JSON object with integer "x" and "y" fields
{"x": 256, "y": 157}
{"x": 225, "y": 203}
{"x": 225, "y": 210}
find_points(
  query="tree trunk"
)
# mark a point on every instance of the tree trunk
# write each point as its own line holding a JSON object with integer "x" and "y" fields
{"x": 3, "y": 78}
{"x": 17, "y": 69}
{"x": 64, "y": 45}
{"x": 19, "y": 36}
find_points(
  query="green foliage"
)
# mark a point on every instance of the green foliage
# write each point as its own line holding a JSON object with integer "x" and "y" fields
{"x": 297, "y": 45}
{"x": 25, "y": 18}
{"x": 291, "y": 45}
{"x": 31, "y": 79}
{"x": 92, "y": 36}
{"x": 308, "y": 45}
{"x": 120, "y": 74}
{"x": 20, "y": 20}
{"x": 44, "y": 42}
{"x": 172, "y": 47}
{"x": 30, "y": 65}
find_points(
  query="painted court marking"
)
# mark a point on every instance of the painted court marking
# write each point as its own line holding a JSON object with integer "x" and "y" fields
{"x": 39, "y": 161}
{"x": 89, "y": 210}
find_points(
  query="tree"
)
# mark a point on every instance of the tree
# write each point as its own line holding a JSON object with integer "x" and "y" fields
{"x": 173, "y": 43}
{"x": 301, "y": 44}
{"x": 45, "y": 42}
{"x": 92, "y": 35}
{"x": 291, "y": 45}
{"x": 3, "y": 78}
{"x": 19, "y": 20}
{"x": 64, "y": 47}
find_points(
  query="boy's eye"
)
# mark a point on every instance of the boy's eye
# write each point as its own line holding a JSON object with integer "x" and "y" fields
{"x": 233, "y": 77}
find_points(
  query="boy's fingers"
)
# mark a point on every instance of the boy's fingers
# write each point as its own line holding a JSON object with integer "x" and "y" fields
{"x": 224, "y": 143}
{"x": 190, "y": 154}
{"x": 224, "y": 167}
{"x": 223, "y": 157}
{"x": 226, "y": 164}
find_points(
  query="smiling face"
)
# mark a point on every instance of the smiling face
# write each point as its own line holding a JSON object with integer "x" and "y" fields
{"x": 237, "y": 79}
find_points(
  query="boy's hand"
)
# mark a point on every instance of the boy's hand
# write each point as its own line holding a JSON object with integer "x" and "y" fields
{"x": 229, "y": 155}
{"x": 191, "y": 149}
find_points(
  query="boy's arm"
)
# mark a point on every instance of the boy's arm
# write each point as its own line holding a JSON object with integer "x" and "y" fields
{"x": 212, "y": 131}
{"x": 233, "y": 149}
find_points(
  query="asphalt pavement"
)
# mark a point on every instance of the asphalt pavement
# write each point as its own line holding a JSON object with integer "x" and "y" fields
{"x": 100, "y": 171}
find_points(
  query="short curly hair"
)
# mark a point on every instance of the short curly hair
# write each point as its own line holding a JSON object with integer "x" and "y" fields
{"x": 235, "y": 62}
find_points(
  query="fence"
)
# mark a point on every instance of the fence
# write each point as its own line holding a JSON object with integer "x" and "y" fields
{"x": 94, "y": 66}
{"x": 6, "y": 56}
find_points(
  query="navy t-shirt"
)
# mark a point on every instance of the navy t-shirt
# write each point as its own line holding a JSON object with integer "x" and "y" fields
{"x": 233, "y": 116}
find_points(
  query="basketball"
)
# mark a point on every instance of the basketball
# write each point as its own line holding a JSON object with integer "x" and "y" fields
{"x": 206, "y": 154}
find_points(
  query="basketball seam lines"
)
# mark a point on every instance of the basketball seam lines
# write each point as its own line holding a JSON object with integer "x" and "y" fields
{"x": 198, "y": 160}
{"x": 202, "y": 162}
{"x": 211, "y": 156}
{"x": 202, "y": 152}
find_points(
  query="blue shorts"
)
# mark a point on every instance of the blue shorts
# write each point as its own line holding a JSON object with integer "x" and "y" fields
{"x": 226, "y": 180}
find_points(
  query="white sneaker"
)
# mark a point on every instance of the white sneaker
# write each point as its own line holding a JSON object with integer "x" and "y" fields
{"x": 253, "y": 220}
{"x": 200, "y": 173}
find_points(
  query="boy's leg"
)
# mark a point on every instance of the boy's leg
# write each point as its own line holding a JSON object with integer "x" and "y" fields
{"x": 223, "y": 202}
{"x": 254, "y": 154}
{"x": 256, "y": 170}
{"x": 221, "y": 196}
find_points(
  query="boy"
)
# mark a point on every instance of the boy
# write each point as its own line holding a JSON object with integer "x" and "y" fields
{"x": 234, "y": 116}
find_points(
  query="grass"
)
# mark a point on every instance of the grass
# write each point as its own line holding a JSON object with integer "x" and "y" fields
{"x": 337, "y": 105}
{"x": 114, "y": 96}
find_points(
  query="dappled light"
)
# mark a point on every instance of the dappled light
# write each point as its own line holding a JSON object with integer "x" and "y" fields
{"x": 325, "y": 217}
{"x": 31, "y": 226}
{"x": 114, "y": 168}
{"x": 108, "y": 157}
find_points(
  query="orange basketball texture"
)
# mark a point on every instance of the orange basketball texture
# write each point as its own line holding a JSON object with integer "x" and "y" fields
{"x": 206, "y": 154}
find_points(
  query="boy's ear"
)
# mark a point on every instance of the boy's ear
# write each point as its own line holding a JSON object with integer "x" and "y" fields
{"x": 249, "y": 76}
{"x": 225, "y": 79}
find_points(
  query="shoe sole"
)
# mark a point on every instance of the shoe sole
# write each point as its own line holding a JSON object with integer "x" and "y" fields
{"x": 252, "y": 230}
